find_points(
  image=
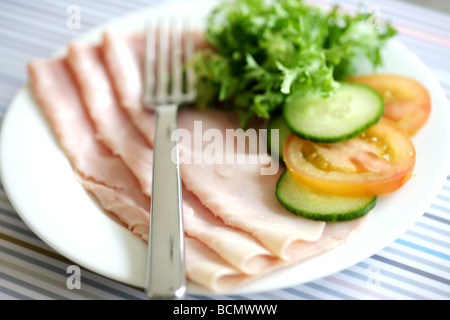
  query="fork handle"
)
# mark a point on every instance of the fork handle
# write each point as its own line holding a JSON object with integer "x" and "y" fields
{"x": 165, "y": 273}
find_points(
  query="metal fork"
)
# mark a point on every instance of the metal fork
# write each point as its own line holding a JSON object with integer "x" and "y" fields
{"x": 167, "y": 86}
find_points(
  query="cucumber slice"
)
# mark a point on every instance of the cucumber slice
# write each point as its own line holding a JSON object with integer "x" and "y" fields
{"x": 352, "y": 109}
{"x": 311, "y": 204}
{"x": 276, "y": 144}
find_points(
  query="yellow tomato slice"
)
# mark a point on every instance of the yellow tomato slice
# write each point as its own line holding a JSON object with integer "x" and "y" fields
{"x": 406, "y": 101}
{"x": 377, "y": 162}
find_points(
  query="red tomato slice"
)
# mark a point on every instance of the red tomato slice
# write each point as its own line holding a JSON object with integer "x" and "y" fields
{"x": 377, "y": 162}
{"x": 407, "y": 102}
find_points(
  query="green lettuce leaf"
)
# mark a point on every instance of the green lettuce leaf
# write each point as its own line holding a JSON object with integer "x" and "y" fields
{"x": 265, "y": 50}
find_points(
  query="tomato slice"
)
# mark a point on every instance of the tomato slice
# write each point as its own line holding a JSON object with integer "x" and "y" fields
{"x": 379, "y": 161}
{"x": 407, "y": 102}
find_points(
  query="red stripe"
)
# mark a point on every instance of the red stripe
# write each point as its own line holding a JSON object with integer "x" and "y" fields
{"x": 358, "y": 288}
{"x": 423, "y": 35}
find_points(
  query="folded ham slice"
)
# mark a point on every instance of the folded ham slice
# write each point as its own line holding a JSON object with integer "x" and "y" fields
{"x": 240, "y": 249}
{"x": 206, "y": 267}
{"x": 111, "y": 122}
{"x": 97, "y": 168}
{"x": 124, "y": 59}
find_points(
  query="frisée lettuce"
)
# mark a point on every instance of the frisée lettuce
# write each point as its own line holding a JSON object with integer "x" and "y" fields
{"x": 264, "y": 50}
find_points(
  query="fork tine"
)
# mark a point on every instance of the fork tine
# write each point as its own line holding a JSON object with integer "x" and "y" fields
{"x": 189, "y": 50}
{"x": 177, "y": 76}
{"x": 150, "y": 61}
{"x": 162, "y": 82}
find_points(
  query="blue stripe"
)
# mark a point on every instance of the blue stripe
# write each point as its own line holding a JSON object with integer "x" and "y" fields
{"x": 200, "y": 297}
{"x": 12, "y": 80}
{"x": 59, "y": 8}
{"x": 56, "y": 35}
{"x": 117, "y": 6}
{"x": 237, "y": 297}
{"x": 384, "y": 284}
{"x": 60, "y": 271}
{"x": 418, "y": 259}
{"x": 434, "y": 50}
{"x": 10, "y": 213}
{"x": 434, "y": 229}
{"x": 30, "y": 286}
{"x": 441, "y": 208}
{"x": 442, "y": 243}
{"x": 444, "y": 198}
{"x": 14, "y": 294}
{"x": 411, "y": 269}
{"x": 436, "y": 218}
{"x": 424, "y": 249}
{"x": 25, "y": 9}
{"x": 430, "y": 54}
{"x": 25, "y": 232}
{"x": 300, "y": 294}
{"x": 329, "y": 291}
{"x": 37, "y": 50}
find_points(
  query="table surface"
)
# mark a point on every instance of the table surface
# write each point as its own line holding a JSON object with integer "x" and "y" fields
{"x": 414, "y": 266}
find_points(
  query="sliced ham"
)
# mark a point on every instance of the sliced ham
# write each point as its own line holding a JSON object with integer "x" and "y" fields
{"x": 130, "y": 206}
{"x": 240, "y": 249}
{"x": 334, "y": 234}
{"x": 97, "y": 168}
{"x": 111, "y": 122}
{"x": 239, "y": 194}
{"x": 124, "y": 59}
{"x": 206, "y": 267}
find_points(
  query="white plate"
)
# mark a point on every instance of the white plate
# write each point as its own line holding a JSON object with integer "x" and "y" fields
{"x": 40, "y": 184}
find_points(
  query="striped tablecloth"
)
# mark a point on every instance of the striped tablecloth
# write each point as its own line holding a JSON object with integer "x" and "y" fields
{"x": 414, "y": 266}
